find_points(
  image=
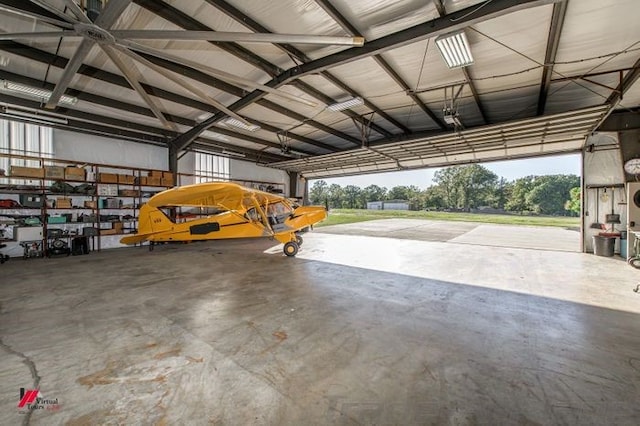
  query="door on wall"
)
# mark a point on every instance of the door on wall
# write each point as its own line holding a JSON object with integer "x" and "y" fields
{"x": 633, "y": 214}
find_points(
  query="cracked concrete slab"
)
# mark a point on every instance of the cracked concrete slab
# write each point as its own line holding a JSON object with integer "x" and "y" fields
{"x": 355, "y": 330}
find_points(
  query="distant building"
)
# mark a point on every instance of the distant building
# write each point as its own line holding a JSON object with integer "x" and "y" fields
{"x": 388, "y": 205}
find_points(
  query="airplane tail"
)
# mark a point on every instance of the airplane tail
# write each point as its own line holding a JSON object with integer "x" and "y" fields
{"x": 150, "y": 221}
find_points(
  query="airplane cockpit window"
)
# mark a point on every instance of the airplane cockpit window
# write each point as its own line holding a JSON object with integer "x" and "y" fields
{"x": 253, "y": 215}
{"x": 187, "y": 214}
{"x": 278, "y": 212}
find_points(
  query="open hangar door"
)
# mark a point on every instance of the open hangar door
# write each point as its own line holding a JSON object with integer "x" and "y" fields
{"x": 604, "y": 193}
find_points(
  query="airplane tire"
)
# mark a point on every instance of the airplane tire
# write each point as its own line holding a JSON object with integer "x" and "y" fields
{"x": 635, "y": 262}
{"x": 299, "y": 240}
{"x": 291, "y": 248}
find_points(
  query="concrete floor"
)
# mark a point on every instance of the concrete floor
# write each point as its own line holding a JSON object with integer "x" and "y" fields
{"x": 483, "y": 234}
{"x": 355, "y": 330}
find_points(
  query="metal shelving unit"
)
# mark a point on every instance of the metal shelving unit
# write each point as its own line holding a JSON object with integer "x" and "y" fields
{"x": 133, "y": 181}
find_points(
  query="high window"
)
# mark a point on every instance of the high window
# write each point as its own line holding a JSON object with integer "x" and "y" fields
{"x": 21, "y": 139}
{"x": 211, "y": 167}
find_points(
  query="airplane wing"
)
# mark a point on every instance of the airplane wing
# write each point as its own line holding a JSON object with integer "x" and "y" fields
{"x": 226, "y": 195}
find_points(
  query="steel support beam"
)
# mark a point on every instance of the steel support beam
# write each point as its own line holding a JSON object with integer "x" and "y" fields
{"x": 621, "y": 121}
{"x": 403, "y": 84}
{"x": 629, "y": 79}
{"x": 116, "y": 128}
{"x": 115, "y": 79}
{"x": 173, "y": 160}
{"x": 251, "y": 24}
{"x": 293, "y": 184}
{"x": 476, "y": 96}
{"x": 179, "y": 18}
{"x": 185, "y": 21}
{"x": 32, "y": 10}
{"x": 555, "y": 29}
{"x": 352, "y": 30}
{"x": 454, "y": 21}
{"x": 460, "y": 19}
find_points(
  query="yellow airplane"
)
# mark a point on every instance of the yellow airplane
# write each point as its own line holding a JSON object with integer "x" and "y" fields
{"x": 223, "y": 210}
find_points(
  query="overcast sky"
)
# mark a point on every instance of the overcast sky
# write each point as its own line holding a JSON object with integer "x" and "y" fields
{"x": 565, "y": 164}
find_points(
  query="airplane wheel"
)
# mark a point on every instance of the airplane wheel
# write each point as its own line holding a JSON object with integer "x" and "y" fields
{"x": 299, "y": 240}
{"x": 635, "y": 262}
{"x": 291, "y": 248}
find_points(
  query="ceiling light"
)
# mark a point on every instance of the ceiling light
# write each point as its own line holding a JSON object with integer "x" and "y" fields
{"x": 39, "y": 118}
{"x": 4, "y": 61}
{"x": 34, "y": 92}
{"x": 454, "y": 48}
{"x": 452, "y": 120}
{"x": 233, "y": 153}
{"x": 348, "y": 104}
{"x": 241, "y": 125}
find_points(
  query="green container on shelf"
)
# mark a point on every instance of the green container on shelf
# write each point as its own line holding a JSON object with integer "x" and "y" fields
{"x": 32, "y": 221}
{"x": 57, "y": 219}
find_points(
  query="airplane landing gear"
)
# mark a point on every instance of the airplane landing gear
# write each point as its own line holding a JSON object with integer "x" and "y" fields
{"x": 299, "y": 240}
{"x": 291, "y": 248}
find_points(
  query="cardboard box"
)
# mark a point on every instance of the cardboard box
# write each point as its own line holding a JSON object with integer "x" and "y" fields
{"x": 128, "y": 193}
{"x": 166, "y": 182}
{"x": 154, "y": 181}
{"x": 167, "y": 175}
{"x": 108, "y": 190}
{"x": 108, "y": 232}
{"x": 118, "y": 226}
{"x": 156, "y": 173}
{"x": 110, "y": 203}
{"x": 90, "y": 204}
{"x": 35, "y": 172}
{"x": 75, "y": 173}
{"x": 54, "y": 172}
{"x": 89, "y": 218}
{"x": 108, "y": 177}
{"x": 126, "y": 179}
{"x": 63, "y": 203}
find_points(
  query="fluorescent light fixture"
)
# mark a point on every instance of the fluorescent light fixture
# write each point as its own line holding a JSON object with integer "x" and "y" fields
{"x": 452, "y": 118}
{"x": 347, "y": 104}
{"x": 4, "y": 61}
{"x": 454, "y": 48}
{"x": 240, "y": 125}
{"x": 35, "y": 92}
{"x": 13, "y": 114}
{"x": 233, "y": 153}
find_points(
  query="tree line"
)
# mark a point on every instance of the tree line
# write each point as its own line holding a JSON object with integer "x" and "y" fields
{"x": 464, "y": 188}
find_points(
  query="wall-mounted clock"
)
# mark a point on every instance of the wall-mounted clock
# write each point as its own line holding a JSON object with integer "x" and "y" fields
{"x": 632, "y": 166}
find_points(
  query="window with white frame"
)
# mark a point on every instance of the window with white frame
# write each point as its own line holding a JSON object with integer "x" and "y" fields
{"x": 24, "y": 139}
{"x": 210, "y": 167}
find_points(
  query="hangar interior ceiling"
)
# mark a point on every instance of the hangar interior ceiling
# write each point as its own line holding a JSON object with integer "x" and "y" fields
{"x": 172, "y": 73}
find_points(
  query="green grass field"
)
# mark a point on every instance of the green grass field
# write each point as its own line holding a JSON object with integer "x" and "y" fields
{"x": 342, "y": 216}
